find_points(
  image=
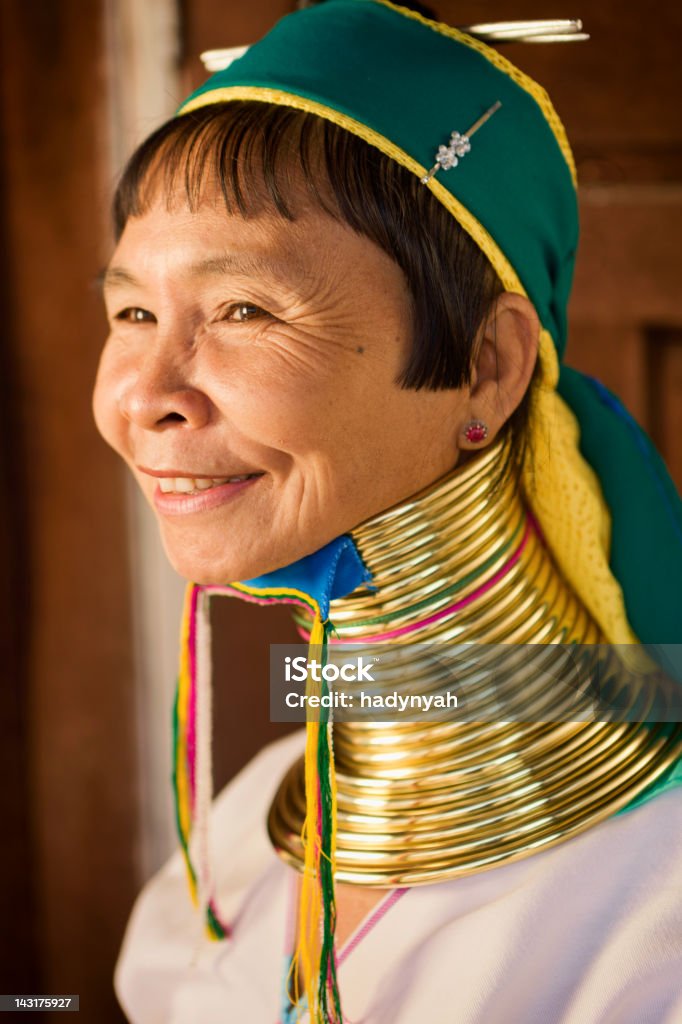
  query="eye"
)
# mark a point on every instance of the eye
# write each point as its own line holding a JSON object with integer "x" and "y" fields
{"x": 241, "y": 312}
{"x": 135, "y": 315}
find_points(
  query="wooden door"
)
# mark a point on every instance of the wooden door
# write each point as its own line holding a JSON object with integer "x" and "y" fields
{"x": 67, "y": 726}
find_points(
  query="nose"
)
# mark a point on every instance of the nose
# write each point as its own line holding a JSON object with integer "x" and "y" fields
{"x": 158, "y": 393}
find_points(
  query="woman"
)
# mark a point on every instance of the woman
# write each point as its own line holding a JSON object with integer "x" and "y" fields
{"x": 337, "y": 310}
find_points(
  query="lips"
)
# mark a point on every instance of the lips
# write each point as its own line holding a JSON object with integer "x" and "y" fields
{"x": 186, "y": 495}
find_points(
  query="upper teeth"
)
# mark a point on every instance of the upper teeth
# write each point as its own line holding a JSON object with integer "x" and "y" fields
{"x": 187, "y": 484}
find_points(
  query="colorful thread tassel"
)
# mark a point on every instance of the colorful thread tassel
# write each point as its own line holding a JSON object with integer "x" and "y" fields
{"x": 192, "y": 775}
{"x": 315, "y": 956}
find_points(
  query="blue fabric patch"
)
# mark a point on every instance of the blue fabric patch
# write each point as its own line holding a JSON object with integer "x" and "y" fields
{"x": 333, "y": 571}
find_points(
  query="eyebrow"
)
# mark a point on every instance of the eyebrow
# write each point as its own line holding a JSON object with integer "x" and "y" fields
{"x": 213, "y": 266}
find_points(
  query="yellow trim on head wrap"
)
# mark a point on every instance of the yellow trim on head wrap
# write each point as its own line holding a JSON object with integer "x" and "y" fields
{"x": 563, "y": 491}
{"x": 524, "y": 81}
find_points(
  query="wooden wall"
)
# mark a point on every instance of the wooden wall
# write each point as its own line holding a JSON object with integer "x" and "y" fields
{"x": 67, "y": 726}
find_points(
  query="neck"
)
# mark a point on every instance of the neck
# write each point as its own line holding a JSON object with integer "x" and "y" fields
{"x": 463, "y": 562}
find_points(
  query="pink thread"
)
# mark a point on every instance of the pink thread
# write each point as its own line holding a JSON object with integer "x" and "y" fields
{"x": 462, "y": 603}
{"x": 254, "y": 599}
{"x": 192, "y": 707}
{"x": 318, "y": 831}
{"x": 352, "y": 944}
{"x": 371, "y": 923}
{"x": 192, "y": 729}
{"x": 536, "y": 527}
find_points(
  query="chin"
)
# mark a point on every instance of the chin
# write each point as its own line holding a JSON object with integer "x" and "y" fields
{"x": 229, "y": 567}
{"x": 214, "y": 573}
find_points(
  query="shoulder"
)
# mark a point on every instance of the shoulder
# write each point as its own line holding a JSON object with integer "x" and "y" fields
{"x": 166, "y": 956}
{"x": 585, "y": 932}
{"x": 238, "y": 824}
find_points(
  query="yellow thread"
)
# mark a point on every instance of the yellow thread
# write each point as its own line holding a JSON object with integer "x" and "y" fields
{"x": 275, "y": 592}
{"x": 308, "y": 949}
{"x": 307, "y": 956}
{"x": 332, "y": 783}
{"x": 292, "y": 982}
{"x": 183, "y": 690}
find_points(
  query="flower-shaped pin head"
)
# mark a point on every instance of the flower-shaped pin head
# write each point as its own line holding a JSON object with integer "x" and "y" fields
{"x": 459, "y": 145}
{"x": 449, "y": 156}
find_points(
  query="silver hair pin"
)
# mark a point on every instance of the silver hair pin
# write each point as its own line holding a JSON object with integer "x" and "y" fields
{"x": 547, "y": 30}
{"x": 218, "y": 60}
{"x": 458, "y": 146}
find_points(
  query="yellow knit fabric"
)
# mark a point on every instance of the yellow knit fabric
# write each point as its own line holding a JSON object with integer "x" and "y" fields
{"x": 565, "y": 497}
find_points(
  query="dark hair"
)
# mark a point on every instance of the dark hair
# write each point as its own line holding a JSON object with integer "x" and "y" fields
{"x": 258, "y": 153}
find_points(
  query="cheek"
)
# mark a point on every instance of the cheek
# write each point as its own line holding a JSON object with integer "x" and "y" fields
{"x": 105, "y": 406}
{"x": 287, "y": 403}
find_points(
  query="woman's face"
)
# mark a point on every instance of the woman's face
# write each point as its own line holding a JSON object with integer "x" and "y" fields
{"x": 249, "y": 382}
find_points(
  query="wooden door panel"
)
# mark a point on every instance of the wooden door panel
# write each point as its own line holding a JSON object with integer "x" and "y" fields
{"x": 614, "y": 354}
{"x": 664, "y": 358}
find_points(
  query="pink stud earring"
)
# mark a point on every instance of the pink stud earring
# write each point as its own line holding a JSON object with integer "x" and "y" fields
{"x": 476, "y": 431}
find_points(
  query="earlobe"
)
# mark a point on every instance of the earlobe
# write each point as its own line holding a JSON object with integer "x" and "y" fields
{"x": 476, "y": 431}
{"x": 503, "y": 366}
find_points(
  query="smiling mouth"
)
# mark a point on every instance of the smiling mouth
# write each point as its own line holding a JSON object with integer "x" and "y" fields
{"x": 196, "y": 485}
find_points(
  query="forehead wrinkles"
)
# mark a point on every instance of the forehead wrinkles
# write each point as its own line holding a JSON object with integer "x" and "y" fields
{"x": 212, "y": 243}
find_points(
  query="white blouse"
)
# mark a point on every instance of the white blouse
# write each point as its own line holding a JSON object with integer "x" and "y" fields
{"x": 589, "y": 932}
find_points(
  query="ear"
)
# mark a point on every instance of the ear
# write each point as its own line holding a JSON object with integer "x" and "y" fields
{"x": 503, "y": 365}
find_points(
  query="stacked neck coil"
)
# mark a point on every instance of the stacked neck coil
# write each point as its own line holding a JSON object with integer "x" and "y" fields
{"x": 421, "y": 802}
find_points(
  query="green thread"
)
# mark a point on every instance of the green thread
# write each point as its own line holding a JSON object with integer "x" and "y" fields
{"x": 174, "y": 777}
{"x": 328, "y": 987}
{"x": 452, "y": 589}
